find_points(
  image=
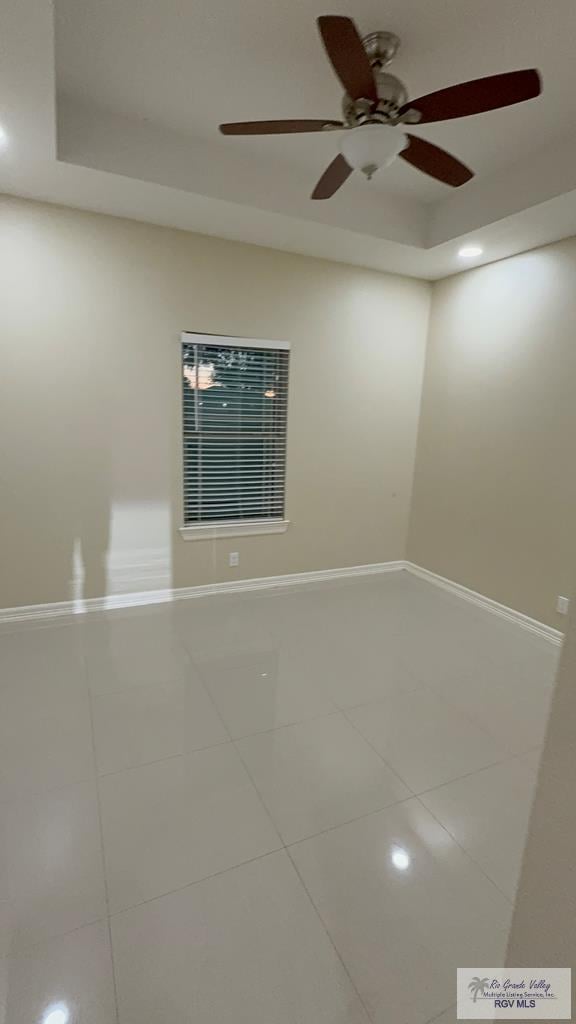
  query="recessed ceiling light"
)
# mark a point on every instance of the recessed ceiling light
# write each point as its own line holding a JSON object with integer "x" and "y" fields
{"x": 58, "y": 1013}
{"x": 400, "y": 858}
{"x": 469, "y": 252}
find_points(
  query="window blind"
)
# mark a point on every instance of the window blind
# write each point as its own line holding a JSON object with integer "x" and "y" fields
{"x": 235, "y": 399}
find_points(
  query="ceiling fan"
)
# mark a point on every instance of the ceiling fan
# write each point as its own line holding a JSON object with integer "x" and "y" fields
{"x": 376, "y": 103}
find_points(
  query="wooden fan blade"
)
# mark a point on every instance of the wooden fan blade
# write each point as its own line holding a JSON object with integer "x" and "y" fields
{"x": 334, "y": 176}
{"x": 278, "y": 127}
{"x": 477, "y": 97}
{"x": 436, "y": 162}
{"x": 348, "y": 56}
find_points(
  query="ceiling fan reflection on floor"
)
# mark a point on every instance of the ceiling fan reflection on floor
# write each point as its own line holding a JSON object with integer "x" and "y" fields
{"x": 376, "y": 104}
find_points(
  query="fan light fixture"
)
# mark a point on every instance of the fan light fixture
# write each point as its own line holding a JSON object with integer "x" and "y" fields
{"x": 371, "y": 146}
{"x": 470, "y": 252}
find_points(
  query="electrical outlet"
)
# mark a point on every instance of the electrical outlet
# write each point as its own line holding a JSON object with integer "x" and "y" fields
{"x": 234, "y": 558}
{"x": 563, "y": 605}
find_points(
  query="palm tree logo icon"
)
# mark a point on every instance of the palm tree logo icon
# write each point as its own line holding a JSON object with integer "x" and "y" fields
{"x": 478, "y": 987}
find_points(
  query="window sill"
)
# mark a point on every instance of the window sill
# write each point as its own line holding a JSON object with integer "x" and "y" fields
{"x": 239, "y": 529}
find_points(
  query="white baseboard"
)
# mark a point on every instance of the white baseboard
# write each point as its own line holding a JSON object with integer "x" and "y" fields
{"x": 290, "y": 580}
{"x": 136, "y": 598}
{"x": 524, "y": 621}
{"x": 80, "y": 606}
{"x": 128, "y": 571}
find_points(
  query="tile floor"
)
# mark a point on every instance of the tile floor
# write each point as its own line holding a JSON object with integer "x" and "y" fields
{"x": 301, "y": 806}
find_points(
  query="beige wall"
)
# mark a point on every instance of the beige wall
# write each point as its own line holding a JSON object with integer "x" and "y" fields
{"x": 495, "y": 486}
{"x": 91, "y": 309}
{"x": 543, "y": 932}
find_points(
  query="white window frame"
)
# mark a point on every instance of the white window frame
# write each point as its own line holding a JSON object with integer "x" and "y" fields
{"x": 231, "y": 528}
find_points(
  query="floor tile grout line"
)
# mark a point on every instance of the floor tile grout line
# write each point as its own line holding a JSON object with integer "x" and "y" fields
{"x": 282, "y": 847}
{"x": 238, "y": 755}
{"x": 329, "y": 937}
{"x": 192, "y": 664}
{"x": 39, "y": 943}
{"x": 433, "y": 1020}
{"x": 31, "y": 795}
{"x": 36, "y": 794}
{"x": 476, "y": 771}
{"x": 197, "y": 881}
{"x": 350, "y": 821}
{"x": 101, "y": 835}
{"x": 533, "y": 750}
{"x": 233, "y": 742}
{"x": 210, "y": 746}
{"x": 421, "y": 793}
{"x": 416, "y": 688}
{"x": 469, "y": 716}
{"x": 259, "y": 795}
{"x": 467, "y": 854}
{"x": 457, "y": 778}
{"x": 287, "y": 845}
{"x": 160, "y": 760}
{"x": 285, "y": 725}
{"x": 111, "y": 914}
{"x": 377, "y": 752}
{"x": 330, "y": 828}
{"x": 189, "y": 662}
{"x": 413, "y": 796}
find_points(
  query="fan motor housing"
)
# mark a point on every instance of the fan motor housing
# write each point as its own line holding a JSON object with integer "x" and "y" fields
{"x": 392, "y": 95}
{"x": 381, "y": 48}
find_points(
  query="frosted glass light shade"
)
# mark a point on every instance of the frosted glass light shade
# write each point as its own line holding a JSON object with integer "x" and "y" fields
{"x": 371, "y": 146}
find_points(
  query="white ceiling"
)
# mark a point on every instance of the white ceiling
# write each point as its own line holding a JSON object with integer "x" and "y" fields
{"x": 141, "y": 87}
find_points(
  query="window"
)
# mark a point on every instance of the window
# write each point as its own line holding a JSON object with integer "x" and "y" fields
{"x": 234, "y": 407}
